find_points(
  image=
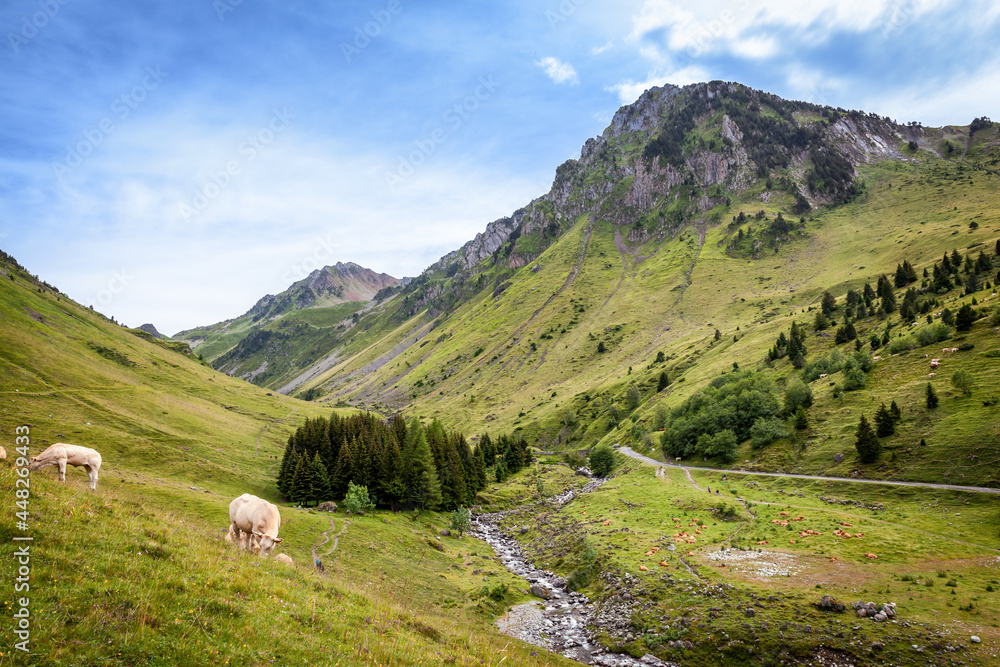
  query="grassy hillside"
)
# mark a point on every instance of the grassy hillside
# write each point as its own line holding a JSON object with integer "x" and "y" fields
{"x": 937, "y": 560}
{"x": 138, "y": 572}
{"x": 529, "y": 355}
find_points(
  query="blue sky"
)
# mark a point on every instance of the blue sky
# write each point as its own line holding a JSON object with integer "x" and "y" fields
{"x": 173, "y": 162}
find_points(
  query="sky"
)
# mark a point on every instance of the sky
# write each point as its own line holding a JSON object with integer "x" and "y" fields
{"x": 172, "y": 162}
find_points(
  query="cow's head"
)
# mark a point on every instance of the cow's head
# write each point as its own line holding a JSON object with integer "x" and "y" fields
{"x": 34, "y": 463}
{"x": 266, "y": 542}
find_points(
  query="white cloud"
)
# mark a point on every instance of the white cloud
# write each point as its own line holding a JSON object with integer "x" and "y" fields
{"x": 559, "y": 71}
{"x": 629, "y": 90}
{"x": 302, "y": 202}
{"x": 598, "y": 50}
{"x": 738, "y": 26}
{"x": 936, "y": 102}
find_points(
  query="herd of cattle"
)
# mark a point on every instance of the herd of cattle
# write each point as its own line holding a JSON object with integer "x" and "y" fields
{"x": 254, "y": 522}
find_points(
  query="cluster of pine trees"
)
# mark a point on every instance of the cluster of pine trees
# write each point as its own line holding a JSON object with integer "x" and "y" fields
{"x": 409, "y": 465}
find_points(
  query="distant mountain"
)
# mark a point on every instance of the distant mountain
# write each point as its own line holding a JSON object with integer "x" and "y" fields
{"x": 685, "y": 238}
{"x": 329, "y": 286}
{"x": 306, "y": 313}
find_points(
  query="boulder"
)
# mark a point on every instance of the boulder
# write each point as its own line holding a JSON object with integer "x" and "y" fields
{"x": 445, "y": 533}
{"x": 829, "y": 603}
{"x": 879, "y": 617}
{"x": 540, "y": 591}
{"x": 974, "y": 639}
{"x": 750, "y": 612}
{"x": 327, "y": 506}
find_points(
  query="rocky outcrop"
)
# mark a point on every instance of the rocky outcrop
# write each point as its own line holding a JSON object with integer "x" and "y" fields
{"x": 150, "y": 329}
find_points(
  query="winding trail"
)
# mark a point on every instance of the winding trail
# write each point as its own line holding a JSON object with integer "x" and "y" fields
{"x": 326, "y": 538}
{"x": 925, "y": 485}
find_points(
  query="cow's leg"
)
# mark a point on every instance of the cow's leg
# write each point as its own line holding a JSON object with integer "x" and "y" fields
{"x": 92, "y": 474}
{"x": 62, "y": 470}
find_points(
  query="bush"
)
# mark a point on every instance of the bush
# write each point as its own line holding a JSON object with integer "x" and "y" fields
{"x": 854, "y": 377}
{"x": 962, "y": 380}
{"x": 574, "y": 459}
{"x": 602, "y": 460}
{"x": 357, "y": 499}
{"x": 765, "y": 431}
{"x": 797, "y": 394}
{"x": 828, "y": 365}
{"x": 461, "y": 520}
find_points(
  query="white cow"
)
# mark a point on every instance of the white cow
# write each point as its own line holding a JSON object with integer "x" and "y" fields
{"x": 60, "y": 454}
{"x": 285, "y": 558}
{"x": 3, "y": 453}
{"x": 257, "y": 521}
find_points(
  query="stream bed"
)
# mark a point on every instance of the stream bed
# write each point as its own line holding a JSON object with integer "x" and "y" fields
{"x": 559, "y": 624}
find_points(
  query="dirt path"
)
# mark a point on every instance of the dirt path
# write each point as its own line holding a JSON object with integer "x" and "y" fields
{"x": 326, "y": 538}
{"x": 925, "y": 485}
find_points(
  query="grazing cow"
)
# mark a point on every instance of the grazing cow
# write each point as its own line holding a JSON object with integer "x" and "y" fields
{"x": 932, "y": 375}
{"x": 257, "y": 520}
{"x": 60, "y": 454}
{"x": 3, "y": 453}
{"x": 285, "y": 558}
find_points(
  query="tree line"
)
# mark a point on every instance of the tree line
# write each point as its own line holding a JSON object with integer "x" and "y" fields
{"x": 400, "y": 464}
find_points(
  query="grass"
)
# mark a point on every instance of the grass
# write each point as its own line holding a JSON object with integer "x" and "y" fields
{"x": 138, "y": 572}
{"x": 916, "y": 536}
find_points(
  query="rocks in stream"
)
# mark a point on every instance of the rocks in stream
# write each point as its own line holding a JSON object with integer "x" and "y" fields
{"x": 561, "y": 625}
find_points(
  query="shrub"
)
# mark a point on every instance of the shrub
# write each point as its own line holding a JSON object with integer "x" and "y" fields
{"x": 461, "y": 520}
{"x": 765, "y": 431}
{"x": 797, "y": 394}
{"x": 357, "y": 499}
{"x": 602, "y": 460}
{"x": 962, "y": 380}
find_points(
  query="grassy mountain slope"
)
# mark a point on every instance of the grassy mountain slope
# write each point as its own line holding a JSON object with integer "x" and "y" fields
{"x": 324, "y": 300}
{"x": 640, "y": 248}
{"x": 138, "y": 572}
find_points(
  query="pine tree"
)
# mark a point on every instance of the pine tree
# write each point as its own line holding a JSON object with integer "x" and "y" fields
{"x": 869, "y": 294}
{"x": 663, "y": 382}
{"x": 479, "y": 467}
{"x": 888, "y": 297}
{"x": 885, "y": 425}
{"x": 801, "y": 419}
{"x": 932, "y": 399}
{"x": 423, "y": 486}
{"x": 829, "y": 304}
{"x": 899, "y": 280}
{"x": 304, "y": 482}
{"x": 321, "y": 487}
{"x": 896, "y": 413}
{"x": 866, "y": 442}
{"x": 956, "y": 260}
{"x": 965, "y": 317}
{"x": 343, "y": 473}
{"x": 911, "y": 273}
{"x": 391, "y": 484}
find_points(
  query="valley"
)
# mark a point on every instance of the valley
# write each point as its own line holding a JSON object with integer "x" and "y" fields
{"x": 781, "y": 317}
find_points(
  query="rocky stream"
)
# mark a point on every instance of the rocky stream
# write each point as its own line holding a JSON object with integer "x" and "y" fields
{"x": 561, "y": 623}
